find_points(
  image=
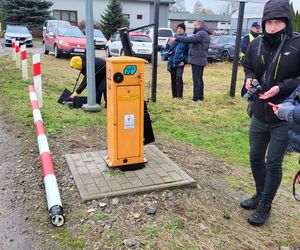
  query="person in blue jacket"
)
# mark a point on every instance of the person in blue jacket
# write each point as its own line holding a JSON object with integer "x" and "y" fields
{"x": 177, "y": 54}
{"x": 289, "y": 111}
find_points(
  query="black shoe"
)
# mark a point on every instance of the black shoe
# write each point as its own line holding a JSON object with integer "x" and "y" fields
{"x": 251, "y": 203}
{"x": 259, "y": 217}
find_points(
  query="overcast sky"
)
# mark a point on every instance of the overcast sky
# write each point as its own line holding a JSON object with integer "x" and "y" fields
{"x": 220, "y": 5}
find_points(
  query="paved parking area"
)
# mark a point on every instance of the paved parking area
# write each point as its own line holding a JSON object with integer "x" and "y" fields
{"x": 95, "y": 180}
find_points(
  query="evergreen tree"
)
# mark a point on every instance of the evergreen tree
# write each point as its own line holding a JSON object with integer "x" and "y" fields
{"x": 297, "y": 22}
{"x": 113, "y": 18}
{"x": 28, "y": 12}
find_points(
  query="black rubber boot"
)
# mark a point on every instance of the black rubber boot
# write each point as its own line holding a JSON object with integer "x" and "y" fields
{"x": 251, "y": 203}
{"x": 259, "y": 217}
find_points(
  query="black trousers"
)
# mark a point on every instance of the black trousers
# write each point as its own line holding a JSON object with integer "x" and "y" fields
{"x": 268, "y": 143}
{"x": 176, "y": 81}
{"x": 101, "y": 90}
{"x": 198, "y": 82}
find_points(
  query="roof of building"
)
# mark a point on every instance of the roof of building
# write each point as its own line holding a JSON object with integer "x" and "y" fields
{"x": 192, "y": 16}
{"x": 152, "y": 1}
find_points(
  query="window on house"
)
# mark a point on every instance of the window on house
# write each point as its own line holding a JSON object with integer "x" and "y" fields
{"x": 223, "y": 23}
{"x": 140, "y": 17}
{"x": 127, "y": 16}
{"x": 66, "y": 15}
{"x": 190, "y": 22}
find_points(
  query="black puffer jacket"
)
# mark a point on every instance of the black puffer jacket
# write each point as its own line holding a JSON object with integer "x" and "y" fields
{"x": 284, "y": 71}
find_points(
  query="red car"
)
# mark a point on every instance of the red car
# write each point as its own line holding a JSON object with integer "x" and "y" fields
{"x": 64, "y": 40}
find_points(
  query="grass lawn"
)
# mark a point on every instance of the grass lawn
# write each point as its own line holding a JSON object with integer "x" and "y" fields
{"x": 219, "y": 125}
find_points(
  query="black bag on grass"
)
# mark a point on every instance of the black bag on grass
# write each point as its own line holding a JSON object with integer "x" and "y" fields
{"x": 76, "y": 102}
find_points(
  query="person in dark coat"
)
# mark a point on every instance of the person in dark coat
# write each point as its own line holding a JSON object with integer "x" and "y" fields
{"x": 177, "y": 57}
{"x": 247, "y": 39}
{"x": 79, "y": 63}
{"x": 199, "y": 45}
{"x": 289, "y": 111}
{"x": 274, "y": 61}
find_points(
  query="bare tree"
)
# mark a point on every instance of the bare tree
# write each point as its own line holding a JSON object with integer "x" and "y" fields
{"x": 198, "y": 7}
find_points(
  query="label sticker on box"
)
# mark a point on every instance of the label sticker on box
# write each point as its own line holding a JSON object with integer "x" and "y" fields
{"x": 129, "y": 121}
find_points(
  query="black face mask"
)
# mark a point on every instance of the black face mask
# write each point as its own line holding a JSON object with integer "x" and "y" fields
{"x": 254, "y": 34}
{"x": 273, "y": 40}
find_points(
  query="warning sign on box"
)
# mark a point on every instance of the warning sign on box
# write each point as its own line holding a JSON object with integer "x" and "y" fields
{"x": 129, "y": 121}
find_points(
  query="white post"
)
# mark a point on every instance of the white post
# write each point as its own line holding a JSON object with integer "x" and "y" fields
{"x": 24, "y": 62}
{"x": 18, "y": 59}
{"x": 37, "y": 78}
{"x": 13, "y": 49}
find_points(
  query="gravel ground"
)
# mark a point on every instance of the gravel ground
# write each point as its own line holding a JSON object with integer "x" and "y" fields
{"x": 14, "y": 230}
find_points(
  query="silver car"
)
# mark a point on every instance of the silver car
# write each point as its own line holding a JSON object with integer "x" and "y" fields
{"x": 100, "y": 40}
{"x": 20, "y": 33}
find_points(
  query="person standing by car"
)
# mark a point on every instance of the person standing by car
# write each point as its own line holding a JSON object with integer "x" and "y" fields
{"x": 197, "y": 56}
{"x": 79, "y": 63}
{"x": 274, "y": 61}
{"x": 177, "y": 54}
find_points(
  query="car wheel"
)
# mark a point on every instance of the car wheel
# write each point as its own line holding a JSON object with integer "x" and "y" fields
{"x": 225, "y": 56}
{"x": 46, "y": 52}
{"x": 56, "y": 51}
{"x": 107, "y": 52}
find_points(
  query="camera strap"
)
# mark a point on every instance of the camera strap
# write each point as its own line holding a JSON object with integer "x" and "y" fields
{"x": 268, "y": 72}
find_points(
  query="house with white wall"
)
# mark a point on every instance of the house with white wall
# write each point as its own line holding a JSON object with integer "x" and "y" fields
{"x": 139, "y": 12}
{"x": 219, "y": 24}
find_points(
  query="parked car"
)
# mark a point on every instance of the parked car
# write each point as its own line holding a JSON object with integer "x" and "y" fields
{"x": 99, "y": 38}
{"x": 222, "y": 48}
{"x": 141, "y": 45}
{"x": 48, "y": 23}
{"x": 163, "y": 35}
{"x": 64, "y": 40}
{"x": 18, "y": 32}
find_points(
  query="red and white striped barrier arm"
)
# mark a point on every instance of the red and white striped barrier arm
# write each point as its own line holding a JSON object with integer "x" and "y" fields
{"x": 53, "y": 197}
{"x": 37, "y": 78}
{"x": 13, "y": 52}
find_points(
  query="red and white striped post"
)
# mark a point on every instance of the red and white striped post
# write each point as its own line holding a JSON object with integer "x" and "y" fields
{"x": 18, "y": 58}
{"x": 52, "y": 193}
{"x": 13, "y": 50}
{"x": 37, "y": 78}
{"x": 24, "y": 62}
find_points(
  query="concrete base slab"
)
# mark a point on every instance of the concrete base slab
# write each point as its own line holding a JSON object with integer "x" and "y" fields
{"x": 95, "y": 180}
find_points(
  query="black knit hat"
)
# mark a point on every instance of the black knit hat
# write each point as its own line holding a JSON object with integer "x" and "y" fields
{"x": 181, "y": 25}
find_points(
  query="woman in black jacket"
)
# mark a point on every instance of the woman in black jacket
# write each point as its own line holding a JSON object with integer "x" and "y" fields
{"x": 274, "y": 61}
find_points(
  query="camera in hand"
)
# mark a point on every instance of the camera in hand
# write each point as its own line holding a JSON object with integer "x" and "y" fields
{"x": 255, "y": 89}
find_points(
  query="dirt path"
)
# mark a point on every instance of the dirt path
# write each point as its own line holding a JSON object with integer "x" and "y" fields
{"x": 14, "y": 232}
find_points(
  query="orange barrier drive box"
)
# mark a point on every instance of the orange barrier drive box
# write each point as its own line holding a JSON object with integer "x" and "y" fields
{"x": 125, "y": 111}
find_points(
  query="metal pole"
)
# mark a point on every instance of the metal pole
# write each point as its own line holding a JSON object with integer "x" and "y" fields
{"x": 237, "y": 48}
{"x": 155, "y": 51}
{"x": 91, "y": 106}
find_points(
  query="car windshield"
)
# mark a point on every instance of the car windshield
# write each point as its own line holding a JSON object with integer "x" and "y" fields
{"x": 144, "y": 39}
{"x": 70, "y": 32}
{"x": 17, "y": 29}
{"x": 165, "y": 33}
{"x": 98, "y": 33}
